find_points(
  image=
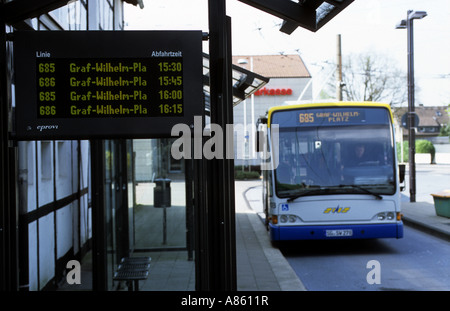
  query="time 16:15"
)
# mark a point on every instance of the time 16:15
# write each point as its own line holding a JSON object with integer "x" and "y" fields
{"x": 171, "y": 108}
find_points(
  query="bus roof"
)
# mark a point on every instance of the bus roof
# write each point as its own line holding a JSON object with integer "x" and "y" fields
{"x": 297, "y": 105}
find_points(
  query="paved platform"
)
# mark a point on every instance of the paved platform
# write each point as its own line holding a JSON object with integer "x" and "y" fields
{"x": 260, "y": 265}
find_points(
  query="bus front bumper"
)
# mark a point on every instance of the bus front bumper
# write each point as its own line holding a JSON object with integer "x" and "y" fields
{"x": 370, "y": 231}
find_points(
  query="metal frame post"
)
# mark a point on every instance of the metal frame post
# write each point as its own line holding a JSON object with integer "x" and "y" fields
{"x": 3, "y": 157}
{"x": 8, "y": 171}
{"x": 98, "y": 217}
{"x": 220, "y": 265}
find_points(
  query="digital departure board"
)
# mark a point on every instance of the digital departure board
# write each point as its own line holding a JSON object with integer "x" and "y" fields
{"x": 79, "y": 85}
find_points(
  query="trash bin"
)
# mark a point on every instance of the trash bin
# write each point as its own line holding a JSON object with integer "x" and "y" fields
{"x": 442, "y": 203}
{"x": 161, "y": 193}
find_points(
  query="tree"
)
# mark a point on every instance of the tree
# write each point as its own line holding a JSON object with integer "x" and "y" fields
{"x": 445, "y": 130}
{"x": 372, "y": 77}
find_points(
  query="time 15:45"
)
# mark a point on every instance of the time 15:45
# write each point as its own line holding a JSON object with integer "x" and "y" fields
{"x": 170, "y": 80}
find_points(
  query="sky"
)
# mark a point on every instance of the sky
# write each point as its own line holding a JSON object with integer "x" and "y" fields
{"x": 365, "y": 26}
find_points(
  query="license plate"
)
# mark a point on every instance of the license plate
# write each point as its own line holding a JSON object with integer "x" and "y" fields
{"x": 337, "y": 233}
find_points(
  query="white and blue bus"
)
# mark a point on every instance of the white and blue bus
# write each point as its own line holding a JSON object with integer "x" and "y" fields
{"x": 332, "y": 172}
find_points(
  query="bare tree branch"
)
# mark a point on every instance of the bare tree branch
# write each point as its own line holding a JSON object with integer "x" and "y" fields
{"x": 372, "y": 77}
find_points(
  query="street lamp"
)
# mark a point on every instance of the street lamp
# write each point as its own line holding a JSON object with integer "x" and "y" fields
{"x": 408, "y": 24}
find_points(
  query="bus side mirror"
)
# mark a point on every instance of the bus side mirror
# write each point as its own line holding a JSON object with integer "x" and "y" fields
{"x": 259, "y": 141}
{"x": 401, "y": 171}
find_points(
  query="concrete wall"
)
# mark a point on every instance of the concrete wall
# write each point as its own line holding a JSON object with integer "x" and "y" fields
{"x": 55, "y": 216}
{"x": 56, "y": 172}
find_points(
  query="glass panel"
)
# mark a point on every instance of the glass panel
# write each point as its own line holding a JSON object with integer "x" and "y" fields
{"x": 110, "y": 206}
{"x": 323, "y": 10}
{"x": 160, "y": 215}
{"x": 146, "y": 217}
{"x": 130, "y": 192}
{"x": 175, "y": 166}
{"x": 160, "y": 226}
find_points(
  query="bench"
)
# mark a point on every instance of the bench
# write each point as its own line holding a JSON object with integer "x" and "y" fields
{"x": 132, "y": 270}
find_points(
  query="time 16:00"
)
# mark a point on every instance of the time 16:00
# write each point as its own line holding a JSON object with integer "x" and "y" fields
{"x": 174, "y": 94}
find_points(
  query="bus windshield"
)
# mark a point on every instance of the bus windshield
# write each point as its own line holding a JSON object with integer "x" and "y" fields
{"x": 326, "y": 157}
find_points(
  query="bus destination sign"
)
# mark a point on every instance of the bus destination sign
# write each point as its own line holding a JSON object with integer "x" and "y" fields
{"x": 331, "y": 117}
{"x": 80, "y": 85}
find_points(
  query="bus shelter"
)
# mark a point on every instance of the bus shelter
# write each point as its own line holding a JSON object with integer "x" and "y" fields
{"x": 214, "y": 218}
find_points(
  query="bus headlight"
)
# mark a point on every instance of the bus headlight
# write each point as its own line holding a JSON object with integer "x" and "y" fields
{"x": 385, "y": 216}
{"x": 288, "y": 218}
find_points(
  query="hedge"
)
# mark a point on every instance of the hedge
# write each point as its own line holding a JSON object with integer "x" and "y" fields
{"x": 422, "y": 146}
{"x": 244, "y": 175}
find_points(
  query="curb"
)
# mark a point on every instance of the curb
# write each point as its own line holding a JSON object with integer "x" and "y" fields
{"x": 422, "y": 226}
{"x": 285, "y": 274}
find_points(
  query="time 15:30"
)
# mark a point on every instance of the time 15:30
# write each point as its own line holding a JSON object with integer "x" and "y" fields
{"x": 170, "y": 66}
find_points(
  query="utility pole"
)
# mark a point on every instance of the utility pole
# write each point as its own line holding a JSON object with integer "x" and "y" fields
{"x": 339, "y": 83}
{"x": 411, "y": 114}
{"x": 408, "y": 24}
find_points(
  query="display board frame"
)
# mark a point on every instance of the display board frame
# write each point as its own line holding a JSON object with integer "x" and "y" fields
{"x": 60, "y": 101}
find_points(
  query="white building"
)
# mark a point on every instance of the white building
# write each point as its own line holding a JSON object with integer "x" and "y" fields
{"x": 55, "y": 216}
{"x": 289, "y": 80}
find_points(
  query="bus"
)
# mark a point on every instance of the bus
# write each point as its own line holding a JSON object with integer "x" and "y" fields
{"x": 331, "y": 172}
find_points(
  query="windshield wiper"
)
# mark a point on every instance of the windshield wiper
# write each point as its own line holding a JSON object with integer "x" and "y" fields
{"x": 293, "y": 197}
{"x": 379, "y": 197}
{"x": 326, "y": 189}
